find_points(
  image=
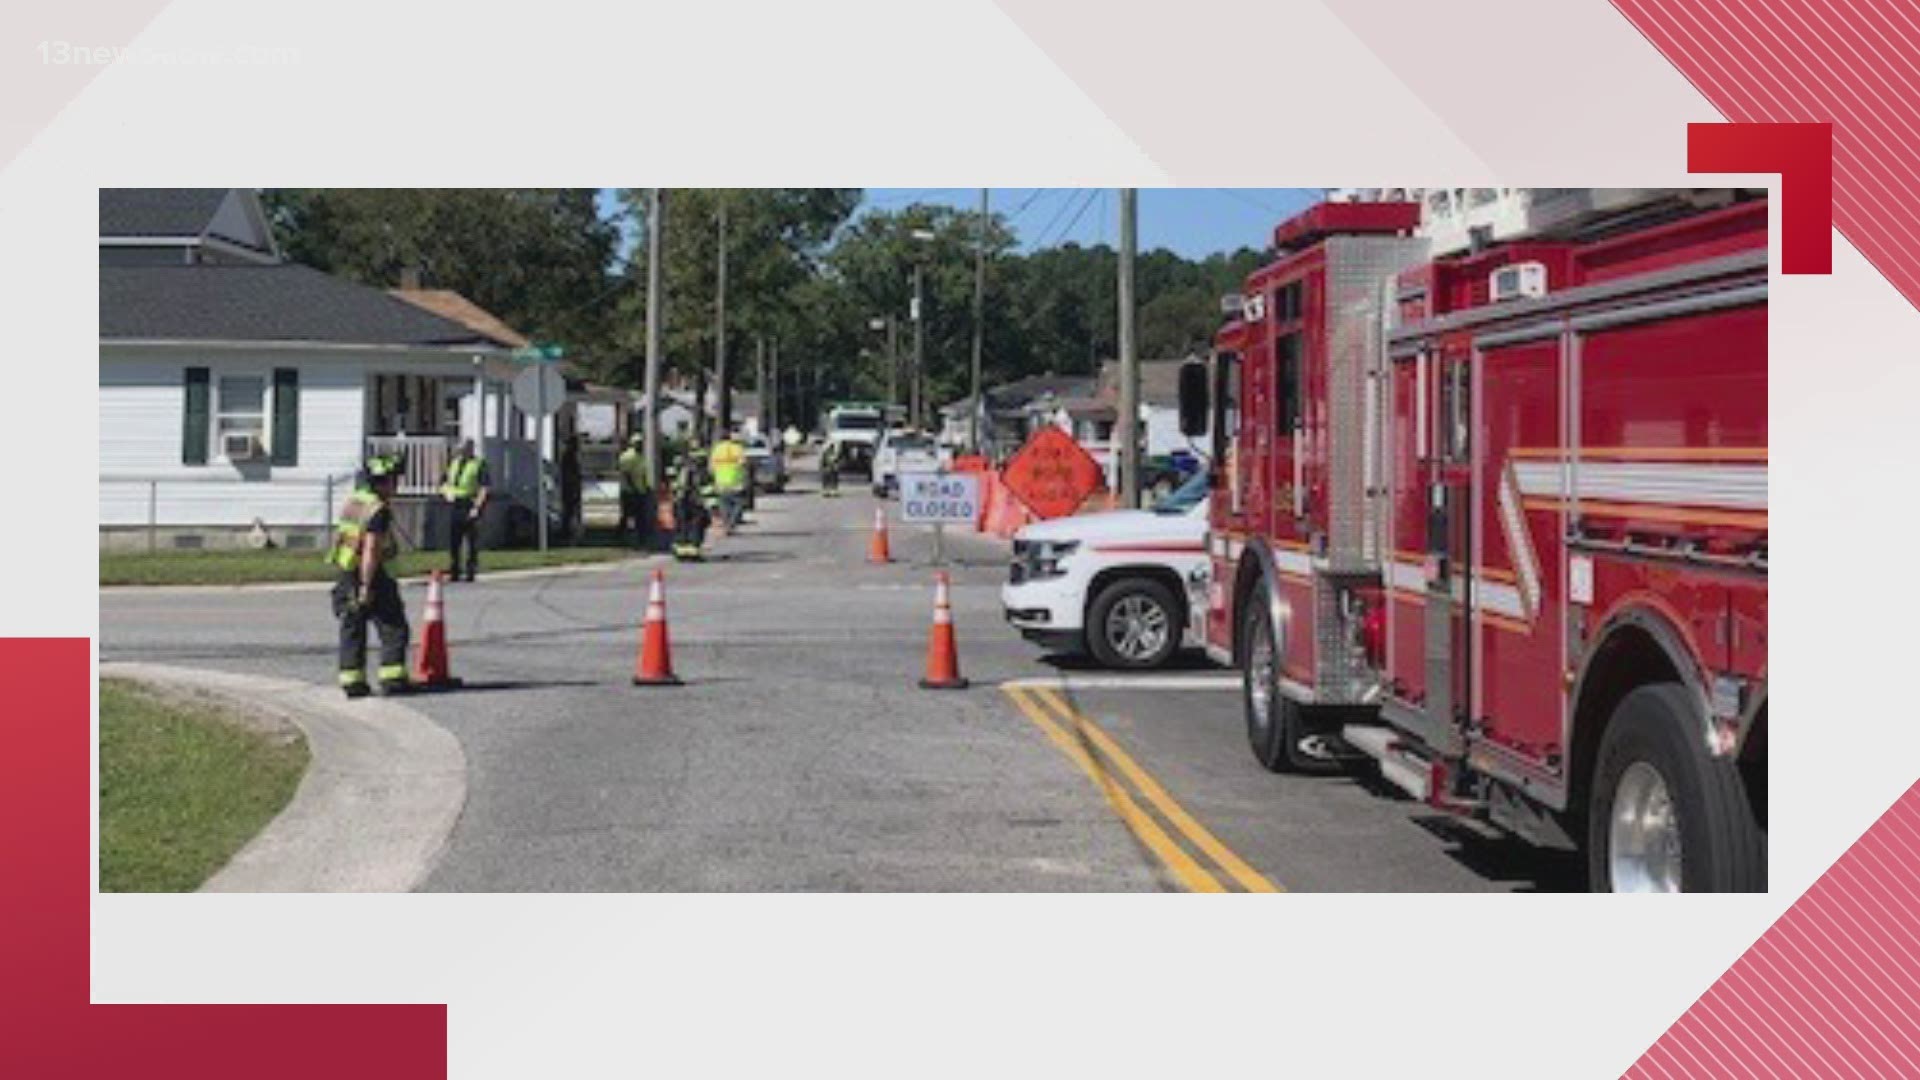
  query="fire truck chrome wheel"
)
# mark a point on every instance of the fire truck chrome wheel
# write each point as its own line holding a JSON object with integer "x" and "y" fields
{"x": 1665, "y": 814}
{"x": 1260, "y": 692}
{"x": 1643, "y": 849}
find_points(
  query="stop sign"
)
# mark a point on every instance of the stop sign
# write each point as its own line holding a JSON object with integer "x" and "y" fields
{"x": 1052, "y": 474}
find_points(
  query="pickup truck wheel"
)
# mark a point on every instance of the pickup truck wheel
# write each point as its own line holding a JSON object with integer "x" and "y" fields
{"x": 1665, "y": 815}
{"x": 1134, "y": 623}
{"x": 1276, "y": 724}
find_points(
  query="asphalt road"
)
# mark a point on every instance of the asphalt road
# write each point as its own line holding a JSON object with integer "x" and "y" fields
{"x": 800, "y": 754}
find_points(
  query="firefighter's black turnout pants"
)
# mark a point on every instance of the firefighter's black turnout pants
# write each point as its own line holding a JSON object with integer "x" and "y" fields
{"x": 385, "y": 610}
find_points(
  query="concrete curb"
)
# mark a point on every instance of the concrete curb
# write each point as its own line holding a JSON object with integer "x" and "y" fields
{"x": 405, "y": 583}
{"x": 373, "y": 811}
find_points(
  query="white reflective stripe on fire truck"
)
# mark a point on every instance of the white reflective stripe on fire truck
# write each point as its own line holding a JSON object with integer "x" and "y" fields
{"x": 1513, "y": 525}
{"x": 1292, "y": 562}
{"x": 1407, "y": 576}
{"x": 1499, "y": 598}
{"x": 1730, "y": 486}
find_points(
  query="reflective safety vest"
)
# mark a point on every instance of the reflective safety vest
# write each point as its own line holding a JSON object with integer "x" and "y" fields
{"x": 463, "y": 478}
{"x": 729, "y": 466}
{"x": 351, "y": 525}
{"x": 633, "y": 470}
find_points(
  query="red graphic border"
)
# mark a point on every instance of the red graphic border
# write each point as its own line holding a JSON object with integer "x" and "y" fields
{"x": 48, "y": 1027}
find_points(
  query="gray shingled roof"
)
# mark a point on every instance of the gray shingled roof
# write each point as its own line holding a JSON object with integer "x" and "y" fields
{"x": 280, "y": 302}
{"x": 158, "y": 211}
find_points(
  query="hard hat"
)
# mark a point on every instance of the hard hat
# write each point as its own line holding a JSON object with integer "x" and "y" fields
{"x": 636, "y": 440}
{"x": 380, "y": 466}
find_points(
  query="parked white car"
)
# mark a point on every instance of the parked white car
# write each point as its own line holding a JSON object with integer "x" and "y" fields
{"x": 1113, "y": 584}
{"x": 904, "y": 452}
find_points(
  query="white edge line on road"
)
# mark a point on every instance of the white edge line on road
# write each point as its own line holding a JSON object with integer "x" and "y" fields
{"x": 380, "y": 796}
{"x": 405, "y": 583}
{"x": 1127, "y": 682}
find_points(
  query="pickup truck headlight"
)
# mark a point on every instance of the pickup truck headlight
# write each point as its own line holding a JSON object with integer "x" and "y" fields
{"x": 1035, "y": 559}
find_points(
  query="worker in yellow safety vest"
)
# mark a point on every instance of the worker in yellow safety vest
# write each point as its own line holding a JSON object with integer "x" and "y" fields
{"x": 364, "y": 590}
{"x": 729, "y": 464}
{"x": 465, "y": 490}
{"x": 636, "y": 492}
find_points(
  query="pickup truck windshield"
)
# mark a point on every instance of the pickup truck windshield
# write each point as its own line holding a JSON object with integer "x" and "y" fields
{"x": 856, "y": 423}
{"x": 911, "y": 442}
{"x": 1185, "y": 497}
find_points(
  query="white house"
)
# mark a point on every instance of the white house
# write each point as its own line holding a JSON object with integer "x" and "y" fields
{"x": 238, "y": 389}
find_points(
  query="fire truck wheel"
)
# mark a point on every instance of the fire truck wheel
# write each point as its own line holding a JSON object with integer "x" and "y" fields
{"x": 1134, "y": 623}
{"x": 1276, "y": 724}
{"x": 1666, "y": 816}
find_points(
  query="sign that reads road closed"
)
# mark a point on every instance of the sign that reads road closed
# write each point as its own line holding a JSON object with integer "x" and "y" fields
{"x": 939, "y": 498}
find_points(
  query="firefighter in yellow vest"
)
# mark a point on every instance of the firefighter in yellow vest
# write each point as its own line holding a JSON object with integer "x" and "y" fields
{"x": 692, "y": 491}
{"x": 465, "y": 490}
{"x": 364, "y": 590}
{"x": 729, "y": 464}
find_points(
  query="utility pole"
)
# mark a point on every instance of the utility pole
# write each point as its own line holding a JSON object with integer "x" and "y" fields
{"x": 979, "y": 320}
{"x": 919, "y": 345}
{"x": 760, "y": 381}
{"x": 725, "y": 404}
{"x": 893, "y": 360}
{"x": 655, "y": 229}
{"x": 1126, "y": 429}
{"x": 773, "y": 376}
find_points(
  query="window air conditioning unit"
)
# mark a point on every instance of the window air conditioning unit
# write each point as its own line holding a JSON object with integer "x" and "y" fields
{"x": 240, "y": 446}
{"x": 1514, "y": 282}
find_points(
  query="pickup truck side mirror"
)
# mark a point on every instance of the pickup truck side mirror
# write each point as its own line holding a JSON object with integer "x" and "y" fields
{"x": 1194, "y": 403}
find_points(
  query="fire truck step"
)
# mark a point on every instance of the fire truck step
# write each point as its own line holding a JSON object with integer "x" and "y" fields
{"x": 1400, "y": 767}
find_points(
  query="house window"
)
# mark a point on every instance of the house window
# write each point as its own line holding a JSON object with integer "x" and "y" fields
{"x": 240, "y": 409}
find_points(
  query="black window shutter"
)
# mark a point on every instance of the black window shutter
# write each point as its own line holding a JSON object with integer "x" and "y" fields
{"x": 286, "y": 416}
{"x": 193, "y": 436}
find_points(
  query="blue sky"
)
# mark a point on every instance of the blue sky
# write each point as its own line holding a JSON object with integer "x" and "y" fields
{"x": 1193, "y": 222}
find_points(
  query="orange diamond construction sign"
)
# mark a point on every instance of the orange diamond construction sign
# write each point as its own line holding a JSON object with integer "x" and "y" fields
{"x": 1052, "y": 474}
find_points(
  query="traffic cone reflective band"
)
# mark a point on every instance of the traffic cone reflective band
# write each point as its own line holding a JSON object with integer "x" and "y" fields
{"x": 877, "y": 549}
{"x": 943, "y": 657}
{"x": 431, "y": 666}
{"x": 655, "y": 666}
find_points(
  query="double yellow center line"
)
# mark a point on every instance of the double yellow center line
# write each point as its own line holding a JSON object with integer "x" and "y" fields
{"x": 1091, "y": 748}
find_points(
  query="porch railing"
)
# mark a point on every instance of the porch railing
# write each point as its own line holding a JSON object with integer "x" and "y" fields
{"x": 425, "y": 457}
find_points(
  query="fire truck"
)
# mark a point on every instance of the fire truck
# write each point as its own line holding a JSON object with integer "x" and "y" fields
{"x": 1495, "y": 524}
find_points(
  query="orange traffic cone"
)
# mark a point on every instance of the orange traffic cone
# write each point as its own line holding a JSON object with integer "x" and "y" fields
{"x": 655, "y": 664}
{"x": 943, "y": 656}
{"x": 877, "y": 549}
{"x": 430, "y": 664}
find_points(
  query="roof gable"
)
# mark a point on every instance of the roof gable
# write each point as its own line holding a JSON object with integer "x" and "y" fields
{"x": 192, "y": 216}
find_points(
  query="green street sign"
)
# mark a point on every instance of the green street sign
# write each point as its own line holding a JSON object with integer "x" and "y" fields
{"x": 534, "y": 354}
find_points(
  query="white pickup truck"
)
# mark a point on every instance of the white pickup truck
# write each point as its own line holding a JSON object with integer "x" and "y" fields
{"x": 904, "y": 451}
{"x": 1113, "y": 584}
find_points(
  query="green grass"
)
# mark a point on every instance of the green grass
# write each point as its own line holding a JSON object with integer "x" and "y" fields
{"x": 182, "y": 787}
{"x": 247, "y": 567}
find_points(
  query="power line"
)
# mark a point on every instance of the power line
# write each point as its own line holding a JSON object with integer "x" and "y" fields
{"x": 1093, "y": 196}
{"x": 1243, "y": 197}
{"x": 1039, "y": 237}
{"x": 1029, "y": 201}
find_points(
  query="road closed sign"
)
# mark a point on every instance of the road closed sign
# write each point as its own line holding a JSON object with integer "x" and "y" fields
{"x": 939, "y": 498}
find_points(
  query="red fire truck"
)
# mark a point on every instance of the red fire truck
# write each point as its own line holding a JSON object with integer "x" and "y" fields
{"x": 1496, "y": 521}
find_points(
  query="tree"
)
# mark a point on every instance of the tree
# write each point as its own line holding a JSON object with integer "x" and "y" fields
{"x": 775, "y": 240}
{"x": 542, "y": 259}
